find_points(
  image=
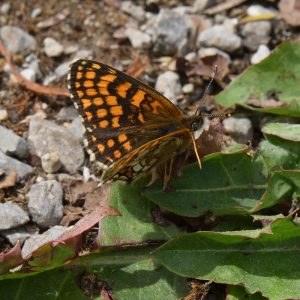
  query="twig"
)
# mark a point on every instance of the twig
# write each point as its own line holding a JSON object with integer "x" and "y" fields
{"x": 35, "y": 87}
{"x": 223, "y": 6}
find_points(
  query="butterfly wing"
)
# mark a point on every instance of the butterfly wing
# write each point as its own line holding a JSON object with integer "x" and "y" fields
{"x": 120, "y": 113}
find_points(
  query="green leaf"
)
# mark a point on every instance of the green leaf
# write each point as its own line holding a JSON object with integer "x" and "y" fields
{"x": 230, "y": 183}
{"x": 56, "y": 284}
{"x": 136, "y": 223}
{"x": 143, "y": 281}
{"x": 265, "y": 260}
{"x": 278, "y": 74}
{"x": 280, "y": 153}
{"x": 235, "y": 292}
{"x": 285, "y": 131}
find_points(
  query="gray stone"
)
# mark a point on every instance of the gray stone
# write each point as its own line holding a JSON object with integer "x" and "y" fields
{"x": 77, "y": 129}
{"x": 257, "y": 10}
{"x": 12, "y": 144}
{"x": 37, "y": 241}
{"x": 168, "y": 84}
{"x": 239, "y": 128}
{"x": 29, "y": 74}
{"x": 11, "y": 216}
{"x": 18, "y": 234}
{"x": 262, "y": 52}
{"x": 51, "y": 162}
{"x": 3, "y": 115}
{"x": 137, "y": 38}
{"x": 200, "y": 5}
{"x": 256, "y": 33}
{"x": 67, "y": 113}
{"x": 5, "y": 7}
{"x": 136, "y": 11}
{"x": 221, "y": 37}
{"x": 204, "y": 52}
{"x": 46, "y": 136}
{"x": 191, "y": 57}
{"x": 188, "y": 88}
{"x": 17, "y": 41}
{"x": 52, "y": 48}
{"x": 36, "y": 12}
{"x": 62, "y": 69}
{"x": 45, "y": 203}
{"x": 170, "y": 33}
{"x": 9, "y": 164}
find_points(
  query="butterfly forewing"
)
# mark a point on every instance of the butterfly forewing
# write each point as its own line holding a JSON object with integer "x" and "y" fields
{"x": 120, "y": 114}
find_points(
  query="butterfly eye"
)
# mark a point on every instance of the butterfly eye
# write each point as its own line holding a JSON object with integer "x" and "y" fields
{"x": 196, "y": 125}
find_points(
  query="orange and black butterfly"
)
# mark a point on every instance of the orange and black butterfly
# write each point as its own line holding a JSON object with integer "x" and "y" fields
{"x": 130, "y": 127}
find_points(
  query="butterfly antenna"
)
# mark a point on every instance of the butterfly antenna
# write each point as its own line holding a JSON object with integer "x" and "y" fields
{"x": 213, "y": 75}
{"x": 196, "y": 150}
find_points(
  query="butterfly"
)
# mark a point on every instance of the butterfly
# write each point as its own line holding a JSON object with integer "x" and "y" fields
{"x": 130, "y": 127}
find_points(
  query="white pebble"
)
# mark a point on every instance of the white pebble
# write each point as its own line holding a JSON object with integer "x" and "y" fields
{"x": 262, "y": 52}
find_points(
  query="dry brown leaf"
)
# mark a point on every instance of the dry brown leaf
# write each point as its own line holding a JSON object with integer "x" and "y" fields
{"x": 9, "y": 180}
{"x": 290, "y": 11}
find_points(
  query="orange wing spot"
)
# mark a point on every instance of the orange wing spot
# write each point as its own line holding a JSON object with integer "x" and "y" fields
{"x": 91, "y": 92}
{"x": 111, "y": 100}
{"x": 101, "y": 113}
{"x": 127, "y": 146}
{"x": 103, "y": 91}
{"x": 101, "y": 148}
{"x": 102, "y": 84}
{"x": 96, "y": 66}
{"x": 94, "y": 139}
{"x": 80, "y": 94}
{"x": 123, "y": 88}
{"x": 110, "y": 143}
{"x": 77, "y": 84}
{"x": 117, "y": 154}
{"x": 122, "y": 138}
{"x": 95, "y": 126}
{"x": 116, "y": 110}
{"x": 109, "y": 77}
{"x": 80, "y": 68}
{"x": 103, "y": 124}
{"x": 86, "y": 103}
{"x": 78, "y": 75}
{"x": 90, "y": 75}
{"x": 88, "y": 83}
{"x": 89, "y": 115}
{"x": 115, "y": 122}
{"x": 137, "y": 98}
{"x": 98, "y": 101}
{"x": 155, "y": 105}
{"x": 141, "y": 118}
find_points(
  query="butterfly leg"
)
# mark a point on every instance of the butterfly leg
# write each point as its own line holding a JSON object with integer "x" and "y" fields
{"x": 168, "y": 174}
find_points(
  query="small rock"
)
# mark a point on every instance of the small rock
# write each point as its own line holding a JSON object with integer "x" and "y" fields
{"x": 3, "y": 115}
{"x": 77, "y": 129}
{"x": 84, "y": 54}
{"x": 136, "y": 11}
{"x": 256, "y": 33}
{"x": 262, "y": 52}
{"x": 170, "y": 33}
{"x": 18, "y": 234}
{"x": 205, "y": 52}
{"x": 12, "y": 144}
{"x": 37, "y": 241}
{"x": 200, "y": 5}
{"x": 8, "y": 164}
{"x": 188, "y": 88}
{"x": 137, "y": 38}
{"x": 29, "y": 74}
{"x": 67, "y": 113}
{"x": 71, "y": 49}
{"x": 36, "y": 12}
{"x": 17, "y": 41}
{"x": 5, "y": 7}
{"x": 51, "y": 162}
{"x": 239, "y": 128}
{"x": 168, "y": 84}
{"x": 62, "y": 69}
{"x": 45, "y": 203}
{"x": 191, "y": 57}
{"x": 221, "y": 37}
{"x": 257, "y": 10}
{"x": 46, "y": 136}
{"x": 11, "y": 216}
{"x": 52, "y": 48}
